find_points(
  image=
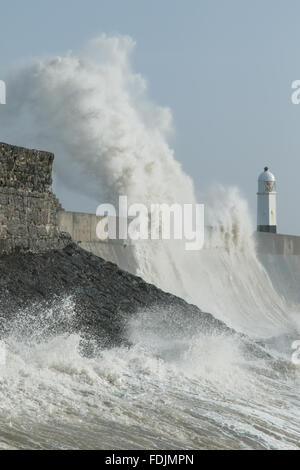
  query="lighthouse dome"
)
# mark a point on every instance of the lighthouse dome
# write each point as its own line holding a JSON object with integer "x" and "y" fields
{"x": 266, "y": 175}
{"x": 266, "y": 182}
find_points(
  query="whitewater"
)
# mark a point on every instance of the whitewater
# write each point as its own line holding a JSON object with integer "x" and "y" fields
{"x": 175, "y": 387}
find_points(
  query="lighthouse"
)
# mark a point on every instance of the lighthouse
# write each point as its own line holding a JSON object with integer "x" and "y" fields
{"x": 266, "y": 202}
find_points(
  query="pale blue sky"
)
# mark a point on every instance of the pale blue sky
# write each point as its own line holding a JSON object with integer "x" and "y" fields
{"x": 225, "y": 69}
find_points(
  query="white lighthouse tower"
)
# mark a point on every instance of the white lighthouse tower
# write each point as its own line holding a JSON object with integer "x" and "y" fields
{"x": 266, "y": 202}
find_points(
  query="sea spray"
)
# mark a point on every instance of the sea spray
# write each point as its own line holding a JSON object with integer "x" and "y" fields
{"x": 165, "y": 391}
{"x": 93, "y": 111}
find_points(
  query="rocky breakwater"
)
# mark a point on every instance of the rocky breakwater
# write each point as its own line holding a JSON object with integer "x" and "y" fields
{"x": 34, "y": 288}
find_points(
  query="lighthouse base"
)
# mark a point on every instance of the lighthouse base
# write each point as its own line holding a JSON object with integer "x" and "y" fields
{"x": 267, "y": 228}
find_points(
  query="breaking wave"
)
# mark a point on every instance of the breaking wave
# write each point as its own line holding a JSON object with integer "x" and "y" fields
{"x": 174, "y": 387}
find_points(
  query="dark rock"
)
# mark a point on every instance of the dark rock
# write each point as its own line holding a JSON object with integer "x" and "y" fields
{"x": 104, "y": 297}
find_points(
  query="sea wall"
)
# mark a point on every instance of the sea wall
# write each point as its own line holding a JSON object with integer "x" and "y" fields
{"x": 277, "y": 244}
{"x": 82, "y": 228}
{"x": 280, "y": 256}
{"x": 28, "y": 208}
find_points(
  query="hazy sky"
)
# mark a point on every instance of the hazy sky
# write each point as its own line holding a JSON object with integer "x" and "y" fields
{"x": 225, "y": 69}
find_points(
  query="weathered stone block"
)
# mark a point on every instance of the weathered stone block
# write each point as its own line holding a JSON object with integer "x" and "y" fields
{"x": 28, "y": 208}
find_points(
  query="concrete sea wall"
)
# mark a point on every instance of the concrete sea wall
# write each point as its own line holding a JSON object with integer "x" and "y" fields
{"x": 279, "y": 254}
{"x": 277, "y": 244}
{"x": 82, "y": 228}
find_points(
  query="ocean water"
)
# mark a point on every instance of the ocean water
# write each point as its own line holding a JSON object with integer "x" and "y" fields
{"x": 170, "y": 390}
{"x": 176, "y": 386}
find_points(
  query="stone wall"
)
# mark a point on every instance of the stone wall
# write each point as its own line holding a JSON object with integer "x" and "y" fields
{"x": 28, "y": 208}
{"x": 277, "y": 244}
{"x": 82, "y": 226}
